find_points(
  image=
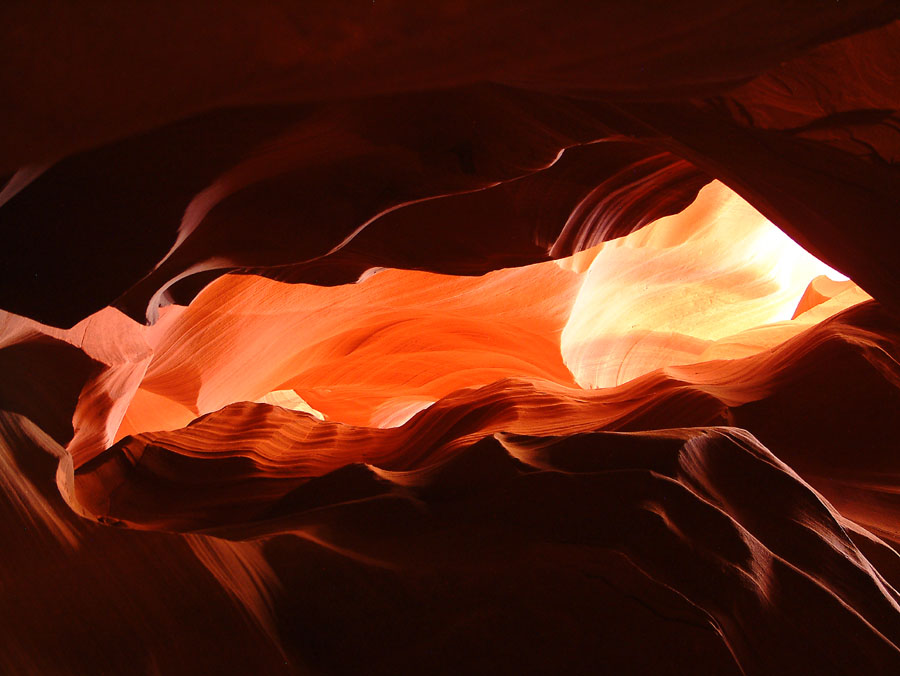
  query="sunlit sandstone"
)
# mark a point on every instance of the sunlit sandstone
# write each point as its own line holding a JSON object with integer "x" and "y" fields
{"x": 717, "y": 281}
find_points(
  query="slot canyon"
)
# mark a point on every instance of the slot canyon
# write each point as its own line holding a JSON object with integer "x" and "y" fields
{"x": 450, "y": 338}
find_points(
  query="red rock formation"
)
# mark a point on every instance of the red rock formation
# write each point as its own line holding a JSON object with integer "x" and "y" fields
{"x": 518, "y": 367}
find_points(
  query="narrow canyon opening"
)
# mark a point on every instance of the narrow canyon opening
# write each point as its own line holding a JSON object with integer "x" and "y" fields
{"x": 716, "y": 281}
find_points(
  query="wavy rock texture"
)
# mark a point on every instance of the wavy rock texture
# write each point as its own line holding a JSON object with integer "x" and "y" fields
{"x": 471, "y": 338}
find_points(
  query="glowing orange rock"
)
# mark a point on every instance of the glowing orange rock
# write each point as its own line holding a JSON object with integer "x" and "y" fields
{"x": 374, "y": 353}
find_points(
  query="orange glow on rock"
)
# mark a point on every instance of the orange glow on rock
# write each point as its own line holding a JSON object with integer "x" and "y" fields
{"x": 717, "y": 281}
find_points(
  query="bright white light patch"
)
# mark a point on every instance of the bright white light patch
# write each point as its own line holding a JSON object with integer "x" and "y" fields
{"x": 664, "y": 295}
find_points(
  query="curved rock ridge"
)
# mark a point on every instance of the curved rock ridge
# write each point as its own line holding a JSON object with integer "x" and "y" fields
{"x": 693, "y": 545}
{"x": 244, "y": 455}
{"x": 648, "y": 104}
{"x": 675, "y": 520}
{"x": 702, "y": 527}
{"x": 79, "y": 597}
{"x": 312, "y": 180}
